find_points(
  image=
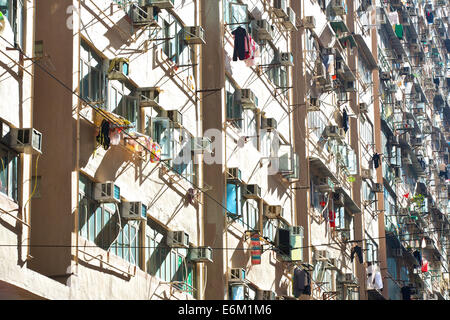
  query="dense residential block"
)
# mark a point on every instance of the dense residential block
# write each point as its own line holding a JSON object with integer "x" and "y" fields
{"x": 228, "y": 150}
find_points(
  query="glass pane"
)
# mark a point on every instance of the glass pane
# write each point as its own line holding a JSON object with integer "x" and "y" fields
{"x": 126, "y": 243}
{"x": 173, "y": 262}
{"x": 238, "y": 14}
{"x": 4, "y": 171}
{"x": 162, "y": 134}
{"x": 133, "y": 248}
{"x": 98, "y": 225}
{"x": 82, "y": 215}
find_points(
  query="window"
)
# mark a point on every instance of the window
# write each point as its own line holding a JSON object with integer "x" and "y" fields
{"x": 250, "y": 215}
{"x": 8, "y": 172}
{"x": 93, "y": 79}
{"x": 162, "y": 133}
{"x": 234, "y": 13}
{"x": 368, "y": 195}
{"x": 316, "y": 197}
{"x": 249, "y": 126}
{"x": 372, "y": 250}
{"x": 269, "y": 230}
{"x": 166, "y": 263}
{"x": 13, "y": 11}
{"x": 367, "y": 132}
{"x": 124, "y": 102}
{"x": 322, "y": 275}
{"x": 98, "y": 222}
{"x": 174, "y": 47}
{"x": 183, "y": 162}
{"x": 234, "y": 109}
{"x": 234, "y": 196}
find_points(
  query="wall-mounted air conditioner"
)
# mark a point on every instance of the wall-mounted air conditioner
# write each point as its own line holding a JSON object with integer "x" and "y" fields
{"x": 287, "y": 59}
{"x": 252, "y": 191}
{"x": 248, "y": 99}
{"x": 263, "y": 29}
{"x": 325, "y": 185}
{"x": 145, "y": 16}
{"x": 321, "y": 255}
{"x": 265, "y": 295}
{"x": 268, "y": 123}
{"x": 378, "y": 187}
{"x": 200, "y": 254}
{"x": 363, "y": 108}
{"x": 273, "y": 212}
{"x": 27, "y": 141}
{"x": 236, "y": 275}
{"x": 201, "y": 145}
{"x": 234, "y": 175}
{"x": 338, "y": 6}
{"x": 331, "y": 131}
{"x": 309, "y": 22}
{"x": 313, "y": 105}
{"x": 194, "y": 35}
{"x": 280, "y": 8}
{"x": 107, "y": 192}
{"x": 177, "y": 239}
{"x": 348, "y": 278}
{"x": 366, "y": 173}
{"x": 338, "y": 199}
{"x": 162, "y": 4}
{"x": 118, "y": 69}
{"x": 174, "y": 115}
{"x": 289, "y": 22}
{"x": 385, "y": 76}
{"x": 149, "y": 97}
{"x": 350, "y": 86}
{"x": 133, "y": 210}
{"x": 416, "y": 142}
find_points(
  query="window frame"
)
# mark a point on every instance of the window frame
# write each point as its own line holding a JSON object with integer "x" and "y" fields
{"x": 12, "y": 172}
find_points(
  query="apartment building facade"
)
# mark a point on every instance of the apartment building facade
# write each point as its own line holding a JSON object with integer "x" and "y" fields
{"x": 198, "y": 149}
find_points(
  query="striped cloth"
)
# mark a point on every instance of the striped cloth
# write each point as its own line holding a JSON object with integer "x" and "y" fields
{"x": 255, "y": 249}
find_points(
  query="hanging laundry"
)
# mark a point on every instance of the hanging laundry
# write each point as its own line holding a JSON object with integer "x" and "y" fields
{"x": 378, "y": 281}
{"x": 301, "y": 283}
{"x": 332, "y": 218}
{"x": 345, "y": 120}
{"x": 393, "y": 18}
{"x": 425, "y": 266}
{"x": 356, "y": 249}
{"x": 103, "y": 136}
{"x": 256, "y": 249}
{"x": 376, "y": 160}
{"x": 155, "y": 154}
{"x": 241, "y": 45}
{"x": 406, "y": 293}
{"x": 424, "y": 243}
{"x": 115, "y": 136}
{"x": 418, "y": 256}
{"x": 429, "y": 16}
{"x": 253, "y": 53}
{"x": 398, "y": 29}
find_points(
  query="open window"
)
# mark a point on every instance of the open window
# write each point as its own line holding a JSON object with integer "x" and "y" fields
{"x": 234, "y": 200}
{"x": 235, "y": 14}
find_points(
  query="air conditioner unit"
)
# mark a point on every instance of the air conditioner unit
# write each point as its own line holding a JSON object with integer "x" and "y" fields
{"x": 404, "y": 71}
{"x": 200, "y": 254}
{"x": 118, "y": 69}
{"x": 325, "y": 185}
{"x": 236, "y": 275}
{"x": 174, "y": 115}
{"x": 263, "y": 30}
{"x": 133, "y": 210}
{"x": 25, "y": 140}
{"x": 385, "y": 76}
{"x": 145, "y": 16}
{"x": 416, "y": 142}
{"x": 252, "y": 191}
{"x": 321, "y": 255}
{"x": 268, "y": 123}
{"x": 338, "y": 7}
{"x": 287, "y": 59}
{"x": 201, "y": 144}
{"x": 273, "y": 212}
{"x": 348, "y": 278}
{"x": 248, "y": 99}
{"x": 309, "y": 22}
{"x": 377, "y": 187}
{"x": 397, "y": 252}
{"x": 266, "y": 295}
{"x": 350, "y": 86}
{"x": 234, "y": 175}
{"x": 412, "y": 11}
{"x": 338, "y": 199}
{"x": 290, "y": 21}
{"x": 177, "y": 239}
{"x": 363, "y": 108}
{"x": 331, "y": 131}
{"x": 107, "y": 192}
{"x": 194, "y": 35}
{"x": 149, "y": 97}
{"x": 313, "y": 105}
{"x": 339, "y": 66}
{"x": 280, "y": 8}
{"x": 297, "y": 231}
{"x": 163, "y": 4}
{"x": 366, "y": 173}
{"x": 414, "y": 47}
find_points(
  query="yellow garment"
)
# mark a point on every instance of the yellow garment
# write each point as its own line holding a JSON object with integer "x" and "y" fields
{"x": 116, "y": 120}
